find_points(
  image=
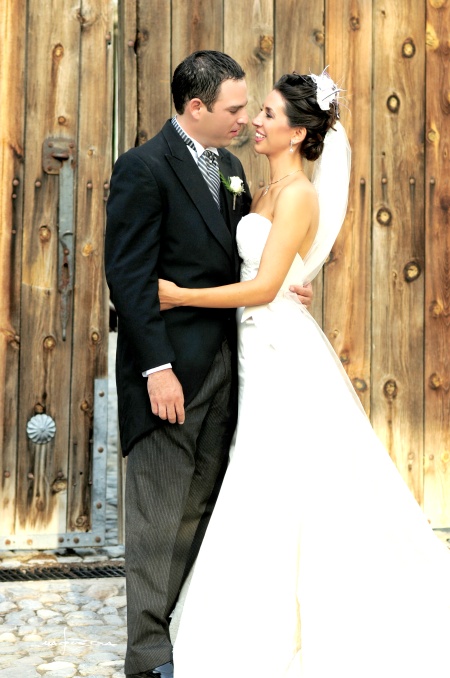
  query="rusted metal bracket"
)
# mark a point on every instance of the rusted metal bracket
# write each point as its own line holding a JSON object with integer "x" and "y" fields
{"x": 58, "y": 157}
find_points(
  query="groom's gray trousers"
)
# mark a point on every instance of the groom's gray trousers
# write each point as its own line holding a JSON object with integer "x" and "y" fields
{"x": 173, "y": 479}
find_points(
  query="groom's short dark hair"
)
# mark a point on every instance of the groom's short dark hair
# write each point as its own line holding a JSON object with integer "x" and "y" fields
{"x": 200, "y": 76}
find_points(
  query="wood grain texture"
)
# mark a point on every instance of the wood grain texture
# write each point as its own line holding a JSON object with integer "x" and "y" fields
{"x": 45, "y": 360}
{"x": 196, "y": 24}
{"x": 302, "y": 52}
{"x": 253, "y": 50}
{"x": 90, "y": 326}
{"x": 437, "y": 266}
{"x": 347, "y": 313}
{"x": 398, "y": 234}
{"x": 12, "y": 58}
{"x": 126, "y": 123}
{"x": 154, "y": 66}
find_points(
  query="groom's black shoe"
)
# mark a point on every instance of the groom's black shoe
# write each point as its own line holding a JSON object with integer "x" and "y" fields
{"x": 163, "y": 671}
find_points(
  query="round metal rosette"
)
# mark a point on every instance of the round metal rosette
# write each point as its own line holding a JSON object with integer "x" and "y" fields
{"x": 41, "y": 429}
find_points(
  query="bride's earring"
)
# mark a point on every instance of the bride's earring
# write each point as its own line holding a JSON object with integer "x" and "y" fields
{"x": 291, "y": 148}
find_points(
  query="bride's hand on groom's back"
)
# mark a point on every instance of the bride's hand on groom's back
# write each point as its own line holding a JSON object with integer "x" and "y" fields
{"x": 304, "y": 293}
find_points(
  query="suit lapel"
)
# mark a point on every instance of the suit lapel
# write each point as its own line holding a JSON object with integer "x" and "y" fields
{"x": 184, "y": 166}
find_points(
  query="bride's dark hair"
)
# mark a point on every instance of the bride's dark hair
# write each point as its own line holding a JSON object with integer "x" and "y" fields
{"x": 302, "y": 110}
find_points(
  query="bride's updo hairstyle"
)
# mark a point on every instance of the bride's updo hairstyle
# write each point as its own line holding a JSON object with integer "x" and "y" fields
{"x": 300, "y": 93}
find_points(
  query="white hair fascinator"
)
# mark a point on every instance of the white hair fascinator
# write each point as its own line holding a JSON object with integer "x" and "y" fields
{"x": 327, "y": 90}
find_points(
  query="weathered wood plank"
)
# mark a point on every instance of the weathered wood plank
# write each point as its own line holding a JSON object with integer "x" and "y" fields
{"x": 12, "y": 58}
{"x": 154, "y": 66}
{"x": 302, "y": 52}
{"x": 347, "y": 275}
{"x": 253, "y": 49}
{"x": 126, "y": 108}
{"x": 90, "y": 326}
{"x": 437, "y": 266}
{"x": 398, "y": 234}
{"x": 196, "y": 24}
{"x": 45, "y": 364}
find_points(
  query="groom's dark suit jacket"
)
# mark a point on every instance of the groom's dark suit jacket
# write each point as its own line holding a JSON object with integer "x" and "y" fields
{"x": 162, "y": 221}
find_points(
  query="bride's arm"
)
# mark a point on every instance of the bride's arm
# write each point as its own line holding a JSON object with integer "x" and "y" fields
{"x": 292, "y": 217}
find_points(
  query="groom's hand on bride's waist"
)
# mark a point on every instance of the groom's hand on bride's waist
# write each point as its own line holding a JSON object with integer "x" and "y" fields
{"x": 166, "y": 396}
{"x": 304, "y": 293}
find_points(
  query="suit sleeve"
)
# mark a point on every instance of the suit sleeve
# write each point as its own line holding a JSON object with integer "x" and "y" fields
{"x": 133, "y": 228}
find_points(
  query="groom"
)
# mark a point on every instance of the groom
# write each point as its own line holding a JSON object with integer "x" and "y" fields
{"x": 170, "y": 216}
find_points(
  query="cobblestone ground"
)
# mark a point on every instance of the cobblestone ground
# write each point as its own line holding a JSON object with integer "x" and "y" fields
{"x": 63, "y": 628}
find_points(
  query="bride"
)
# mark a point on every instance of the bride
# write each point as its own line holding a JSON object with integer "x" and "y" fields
{"x": 318, "y": 562}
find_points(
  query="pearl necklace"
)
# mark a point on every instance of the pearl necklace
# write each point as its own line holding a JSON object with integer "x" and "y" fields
{"x": 275, "y": 182}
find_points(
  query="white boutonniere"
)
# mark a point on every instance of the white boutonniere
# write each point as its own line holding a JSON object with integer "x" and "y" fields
{"x": 233, "y": 184}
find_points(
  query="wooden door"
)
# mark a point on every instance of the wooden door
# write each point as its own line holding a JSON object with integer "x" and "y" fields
{"x": 56, "y": 110}
{"x": 383, "y": 298}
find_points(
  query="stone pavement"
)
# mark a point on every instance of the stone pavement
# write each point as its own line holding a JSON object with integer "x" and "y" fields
{"x": 63, "y": 628}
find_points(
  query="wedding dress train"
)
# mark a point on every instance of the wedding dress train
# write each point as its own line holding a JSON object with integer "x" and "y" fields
{"x": 318, "y": 562}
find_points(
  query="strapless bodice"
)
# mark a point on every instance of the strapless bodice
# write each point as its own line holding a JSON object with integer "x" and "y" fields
{"x": 252, "y": 233}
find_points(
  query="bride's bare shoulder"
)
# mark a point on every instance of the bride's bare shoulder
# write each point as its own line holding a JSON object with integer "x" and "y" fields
{"x": 298, "y": 193}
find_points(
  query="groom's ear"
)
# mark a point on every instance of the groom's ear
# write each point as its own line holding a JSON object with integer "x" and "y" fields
{"x": 194, "y": 108}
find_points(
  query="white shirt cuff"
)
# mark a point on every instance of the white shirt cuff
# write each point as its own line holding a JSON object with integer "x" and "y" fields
{"x": 167, "y": 366}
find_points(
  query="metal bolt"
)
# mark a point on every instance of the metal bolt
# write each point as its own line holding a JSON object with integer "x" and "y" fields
{"x": 99, "y": 504}
{"x": 15, "y": 182}
{"x": 61, "y": 540}
{"x": 435, "y": 381}
{"x": 30, "y": 476}
{"x": 49, "y": 343}
{"x": 38, "y": 184}
{"x": 44, "y": 234}
{"x": 411, "y": 271}
{"x": 412, "y": 181}
{"x": 360, "y": 384}
{"x": 393, "y": 103}
{"x": 101, "y": 449}
{"x": 7, "y": 542}
{"x": 384, "y": 216}
{"x": 319, "y": 37}
{"x": 390, "y": 389}
{"x": 89, "y": 184}
{"x": 98, "y": 539}
{"x": 76, "y": 540}
{"x": 384, "y": 180}
{"x": 95, "y": 337}
{"x": 62, "y": 120}
{"x": 101, "y": 394}
{"x": 408, "y": 49}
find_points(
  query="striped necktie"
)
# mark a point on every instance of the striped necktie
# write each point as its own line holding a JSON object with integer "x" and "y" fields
{"x": 207, "y": 164}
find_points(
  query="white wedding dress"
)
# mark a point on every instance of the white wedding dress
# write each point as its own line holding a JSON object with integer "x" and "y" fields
{"x": 318, "y": 562}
